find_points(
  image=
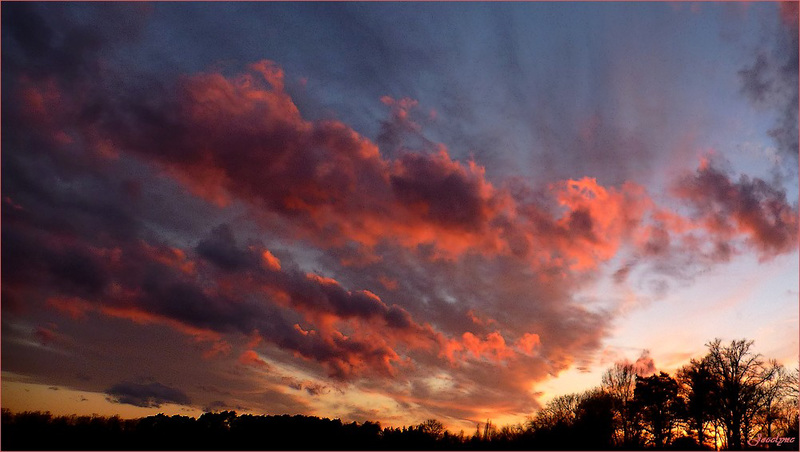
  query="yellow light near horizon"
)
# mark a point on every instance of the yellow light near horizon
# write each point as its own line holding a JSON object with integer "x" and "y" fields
{"x": 19, "y": 396}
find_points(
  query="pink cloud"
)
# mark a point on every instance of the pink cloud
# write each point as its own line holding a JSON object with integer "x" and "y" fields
{"x": 751, "y": 209}
{"x": 441, "y": 262}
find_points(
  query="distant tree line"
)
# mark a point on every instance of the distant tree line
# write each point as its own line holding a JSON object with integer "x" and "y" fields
{"x": 730, "y": 399}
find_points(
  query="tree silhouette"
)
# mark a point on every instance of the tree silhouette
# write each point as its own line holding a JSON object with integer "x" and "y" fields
{"x": 594, "y": 422}
{"x": 657, "y": 402}
{"x": 559, "y": 412}
{"x": 433, "y": 428}
{"x": 773, "y": 391}
{"x": 699, "y": 388}
{"x": 740, "y": 374}
{"x": 619, "y": 382}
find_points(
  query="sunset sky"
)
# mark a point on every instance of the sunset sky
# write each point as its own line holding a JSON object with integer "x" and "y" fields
{"x": 389, "y": 211}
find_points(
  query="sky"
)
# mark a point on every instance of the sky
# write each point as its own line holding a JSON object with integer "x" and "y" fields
{"x": 389, "y": 211}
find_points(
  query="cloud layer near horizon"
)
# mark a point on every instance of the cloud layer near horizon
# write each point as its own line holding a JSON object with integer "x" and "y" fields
{"x": 208, "y": 204}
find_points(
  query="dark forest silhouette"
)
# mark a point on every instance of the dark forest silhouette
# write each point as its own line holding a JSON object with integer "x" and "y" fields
{"x": 732, "y": 398}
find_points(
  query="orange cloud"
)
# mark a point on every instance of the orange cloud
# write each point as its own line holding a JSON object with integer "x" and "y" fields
{"x": 251, "y": 358}
{"x": 529, "y": 342}
{"x": 270, "y": 261}
{"x": 493, "y": 348}
{"x": 72, "y": 306}
{"x": 217, "y": 348}
{"x": 387, "y": 282}
{"x": 599, "y": 219}
{"x": 170, "y": 256}
{"x": 146, "y": 318}
{"x": 337, "y": 188}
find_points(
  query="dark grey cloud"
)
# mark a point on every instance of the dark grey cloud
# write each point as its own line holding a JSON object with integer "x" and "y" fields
{"x": 147, "y": 395}
{"x": 220, "y": 248}
{"x": 64, "y": 39}
{"x": 751, "y": 207}
{"x": 216, "y": 405}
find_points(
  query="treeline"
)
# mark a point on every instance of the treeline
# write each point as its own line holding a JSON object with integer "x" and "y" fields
{"x": 211, "y": 431}
{"x": 730, "y": 399}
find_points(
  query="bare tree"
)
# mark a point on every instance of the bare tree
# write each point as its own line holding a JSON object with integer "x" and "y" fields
{"x": 773, "y": 390}
{"x": 559, "y": 411}
{"x": 778, "y": 410}
{"x": 433, "y": 428}
{"x": 741, "y": 375}
{"x": 619, "y": 381}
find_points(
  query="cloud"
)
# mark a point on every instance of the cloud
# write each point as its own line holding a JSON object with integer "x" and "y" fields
{"x": 644, "y": 364}
{"x": 220, "y": 249}
{"x": 45, "y": 335}
{"x": 312, "y": 388}
{"x": 251, "y": 358}
{"x": 771, "y": 80}
{"x": 158, "y": 284}
{"x": 335, "y": 186}
{"x": 715, "y": 217}
{"x": 751, "y": 208}
{"x": 402, "y": 129}
{"x": 216, "y": 405}
{"x": 63, "y": 40}
{"x": 147, "y": 395}
{"x": 424, "y": 206}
